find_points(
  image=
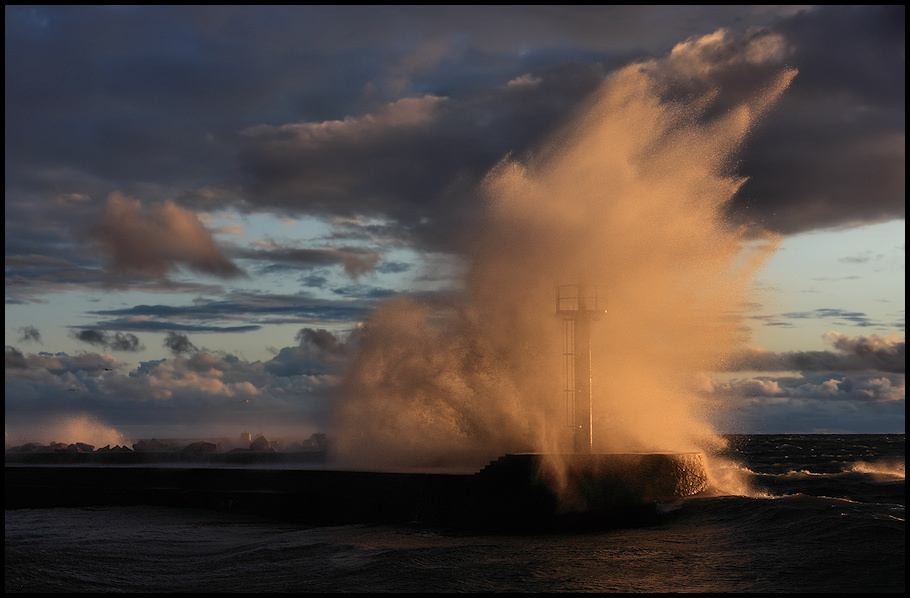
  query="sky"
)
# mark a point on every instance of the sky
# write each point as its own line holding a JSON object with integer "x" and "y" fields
{"x": 207, "y": 207}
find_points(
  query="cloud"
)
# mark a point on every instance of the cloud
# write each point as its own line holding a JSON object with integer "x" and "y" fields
{"x": 183, "y": 128}
{"x": 402, "y": 114}
{"x": 355, "y": 261}
{"x": 415, "y": 163}
{"x": 824, "y": 386}
{"x": 30, "y": 333}
{"x": 41, "y": 368}
{"x": 811, "y": 403}
{"x": 319, "y": 353}
{"x": 93, "y": 337}
{"x": 397, "y": 113}
{"x": 885, "y": 353}
{"x": 839, "y": 317}
{"x": 321, "y": 339}
{"x": 860, "y": 386}
{"x": 14, "y": 358}
{"x": 179, "y": 343}
{"x": 840, "y": 134}
{"x": 118, "y": 341}
{"x": 339, "y": 159}
{"x": 200, "y": 395}
{"x": 158, "y": 240}
{"x": 208, "y": 315}
{"x": 871, "y": 353}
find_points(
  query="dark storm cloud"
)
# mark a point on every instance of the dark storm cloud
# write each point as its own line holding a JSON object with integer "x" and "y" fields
{"x": 871, "y": 353}
{"x": 167, "y": 115}
{"x": 321, "y": 339}
{"x": 30, "y": 277}
{"x": 356, "y": 261}
{"x": 165, "y": 326}
{"x": 92, "y": 337}
{"x": 118, "y": 341}
{"x": 838, "y": 316}
{"x": 127, "y": 93}
{"x": 416, "y": 161}
{"x": 833, "y": 153}
{"x": 850, "y": 144}
{"x": 393, "y": 267}
{"x": 318, "y": 353}
{"x": 169, "y": 102}
{"x": 14, "y": 358}
{"x": 179, "y": 343}
{"x": 30, "y": 333}
{"x": 264, "y": 308}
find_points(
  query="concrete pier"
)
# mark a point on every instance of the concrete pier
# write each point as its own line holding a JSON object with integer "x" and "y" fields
{"x": 525, "y": 492}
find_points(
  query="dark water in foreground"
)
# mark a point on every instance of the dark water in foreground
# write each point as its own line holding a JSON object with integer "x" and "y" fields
{"x": 826, "y": 515}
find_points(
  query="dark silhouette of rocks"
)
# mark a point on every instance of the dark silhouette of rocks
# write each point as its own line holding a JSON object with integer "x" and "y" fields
{"x": 116, "y": 449}
{"x": 201, "y": 448}
{"x": 151, "y": 445}
{"x": 261, "y": 445}
{"x": 152, "y": 450}
{"x": 29, "y": 447}
{"x": 316, "y": 442}
{"x": 54, "y": 447}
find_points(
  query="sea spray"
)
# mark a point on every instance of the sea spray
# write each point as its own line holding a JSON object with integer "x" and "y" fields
{"x": 67, "y": 429}
{"x": 631, "y": 195}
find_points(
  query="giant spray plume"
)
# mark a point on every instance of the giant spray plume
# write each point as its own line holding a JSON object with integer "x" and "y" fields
{"x": 630, "y": 196}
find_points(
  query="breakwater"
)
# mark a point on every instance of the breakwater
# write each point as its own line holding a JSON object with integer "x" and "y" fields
{"x": 514, "y": 493}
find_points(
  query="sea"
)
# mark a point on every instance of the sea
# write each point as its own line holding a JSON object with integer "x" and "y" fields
{"x": 824, "y": 513}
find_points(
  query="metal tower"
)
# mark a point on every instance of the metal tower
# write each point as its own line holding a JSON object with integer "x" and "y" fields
{"x": 579, "y": 305}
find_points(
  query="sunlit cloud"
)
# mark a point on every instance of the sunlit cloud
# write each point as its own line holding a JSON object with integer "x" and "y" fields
{"x": 158, "y": 240}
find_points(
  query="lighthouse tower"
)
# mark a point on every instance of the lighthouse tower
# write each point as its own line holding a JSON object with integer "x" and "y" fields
{"x": 580, "y": 306}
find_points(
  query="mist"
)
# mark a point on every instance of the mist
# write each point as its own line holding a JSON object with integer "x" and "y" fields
{"x": 631, "y": 195}
{"x": 65, "y": 428}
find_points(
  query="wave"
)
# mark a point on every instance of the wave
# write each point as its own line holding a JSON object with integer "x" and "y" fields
{"x": 882, "y": 470}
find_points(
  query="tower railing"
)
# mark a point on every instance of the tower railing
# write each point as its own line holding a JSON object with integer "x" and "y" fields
{"x": 572, "y": 298}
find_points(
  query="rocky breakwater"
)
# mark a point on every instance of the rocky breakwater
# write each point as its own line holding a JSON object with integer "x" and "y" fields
{"x": 153, "y": 451}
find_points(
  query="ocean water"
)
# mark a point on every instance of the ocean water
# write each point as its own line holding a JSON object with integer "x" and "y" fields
{"x": 826, "y": 514}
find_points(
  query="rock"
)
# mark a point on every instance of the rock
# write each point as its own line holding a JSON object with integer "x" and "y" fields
{"x": 150, "y": 445}
{"x": 318, "y": 441}
{"x": 261, "y": 445}
{"x": 29, "y": 447}
{"x": 201, "y": 447}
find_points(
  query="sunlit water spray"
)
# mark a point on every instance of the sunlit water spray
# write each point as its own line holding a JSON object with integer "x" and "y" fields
{"x": 630, "y": 196}
{"x": 66, "y": 429}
